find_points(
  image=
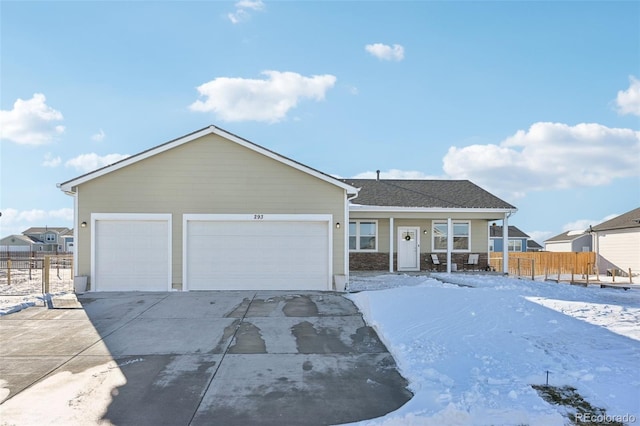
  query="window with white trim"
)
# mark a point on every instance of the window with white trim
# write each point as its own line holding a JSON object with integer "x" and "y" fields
{"x": 515, "y": 245}
{"x": 363, "y": 235}
{"x": 49, "y": 237}
{"x": 461, "y": 236}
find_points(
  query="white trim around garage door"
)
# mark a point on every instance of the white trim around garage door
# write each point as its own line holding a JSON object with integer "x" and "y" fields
{"x": 250, "y": 260}
{"x": 137, "y": 252}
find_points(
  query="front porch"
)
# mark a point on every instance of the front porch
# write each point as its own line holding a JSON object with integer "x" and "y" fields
{"x": 379, "y": 261}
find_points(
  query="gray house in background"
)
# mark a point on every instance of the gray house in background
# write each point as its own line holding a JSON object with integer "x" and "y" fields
{"x": 570, "y": 241}
{"x": 54, "y": 239}
{"x": 40, "y": 239}
{"x": 534, "y": 246}
{"x": 20, "y": 243}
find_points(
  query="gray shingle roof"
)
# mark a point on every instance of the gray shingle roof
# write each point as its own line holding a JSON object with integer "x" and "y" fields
{"x": 533, "y": 245}
{"x": 43, "y": 229}
{"x": 627, "y": 220}
{"x": 567, "y": 236}
{"x": 425, "y": 193}
{"x": 514, "y": 232}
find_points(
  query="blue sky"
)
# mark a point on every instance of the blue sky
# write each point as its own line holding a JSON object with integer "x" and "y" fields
{"x": 537, "y": 102}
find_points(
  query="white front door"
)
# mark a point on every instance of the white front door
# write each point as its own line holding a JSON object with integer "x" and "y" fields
{"x": 408, "y": 248}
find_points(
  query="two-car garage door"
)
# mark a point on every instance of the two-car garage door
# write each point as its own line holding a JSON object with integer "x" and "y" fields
{"x": 242, "y": 252}
{"x": 220, "y": 252}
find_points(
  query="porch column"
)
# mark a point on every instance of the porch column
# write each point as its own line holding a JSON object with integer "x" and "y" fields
{"x": 505, "y": 244}
{"x": 391, "y": 239}
{"x": 449, "y": 243}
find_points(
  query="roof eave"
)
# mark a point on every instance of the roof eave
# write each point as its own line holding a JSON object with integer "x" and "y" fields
{"x": 374, "y": 208}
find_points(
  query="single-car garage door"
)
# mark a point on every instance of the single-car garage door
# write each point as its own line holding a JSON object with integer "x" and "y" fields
{"x": 131, "y": 252}
{"x": 251, "y": 252}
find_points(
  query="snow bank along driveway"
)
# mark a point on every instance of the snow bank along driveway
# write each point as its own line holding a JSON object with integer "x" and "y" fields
{"x": 471, "y": 354}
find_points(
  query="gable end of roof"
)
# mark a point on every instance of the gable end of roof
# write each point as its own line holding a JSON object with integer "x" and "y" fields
{"x": 69, "y": 186}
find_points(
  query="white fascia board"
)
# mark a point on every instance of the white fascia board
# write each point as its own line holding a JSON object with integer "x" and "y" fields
{"x": 68, "y": 187}
{"x": 391, "y": 209}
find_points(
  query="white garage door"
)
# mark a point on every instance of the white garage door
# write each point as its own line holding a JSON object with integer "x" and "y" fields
{"x": 257, "y": 252}
{"x": 131, "y": 252}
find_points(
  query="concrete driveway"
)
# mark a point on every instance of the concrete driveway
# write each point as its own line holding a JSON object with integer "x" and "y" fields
{"x": 196, "y": 358}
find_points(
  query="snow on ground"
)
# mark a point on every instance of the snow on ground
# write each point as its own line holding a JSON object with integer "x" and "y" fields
{"x": 471, "y": 346}
{"x": 26, "y": 288}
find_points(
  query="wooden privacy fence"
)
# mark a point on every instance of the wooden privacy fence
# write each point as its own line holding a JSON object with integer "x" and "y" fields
{"x": 531, "y": 264}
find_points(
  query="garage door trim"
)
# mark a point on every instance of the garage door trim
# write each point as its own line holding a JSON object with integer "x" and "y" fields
{"x": 256, "y": 217}
{"x": 158, "y": 217}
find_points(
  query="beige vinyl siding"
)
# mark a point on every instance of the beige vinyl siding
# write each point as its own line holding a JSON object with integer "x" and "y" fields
{"x": 208, "y": 175}
{"x": 619, "y": 248}
{"x": 479, "y": 229}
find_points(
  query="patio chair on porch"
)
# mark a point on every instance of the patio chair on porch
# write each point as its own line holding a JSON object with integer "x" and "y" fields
{"x": 472, "y": 261}
{"x": 436, "y": 263}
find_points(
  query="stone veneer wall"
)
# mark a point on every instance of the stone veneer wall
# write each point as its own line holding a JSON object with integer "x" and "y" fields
{"x": 380, "y": 261}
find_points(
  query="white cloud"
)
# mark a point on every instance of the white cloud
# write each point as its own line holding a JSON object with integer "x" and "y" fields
{"x": 385, "y": 52}
{"x": 85, "y": 163}
{"x": 98, "y": 137}
{"x": 30, "y": 122}
{"x": 51, "y": 161}
{"x": 242, "y": 7}
{"x": 583, "y": 224}
{"x": 548, "y": 156}
{"x": 15, "y": 221}
{"x": 396, "y": 174}
{"x": 540, "y": 236}
{"x": 628, "y": 101}
{"x": 577, "y": 225}
{"x": 269, "y": 100}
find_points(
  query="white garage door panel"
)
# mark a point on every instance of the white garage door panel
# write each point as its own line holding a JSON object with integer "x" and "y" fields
{"x": 131, "y": 255}
{"x": 257, "y": 255}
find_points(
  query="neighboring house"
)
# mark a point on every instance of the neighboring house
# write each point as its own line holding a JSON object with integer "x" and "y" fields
{"x": 518, "y": 240}
{"x": 398, "y": 224}
{"x": 40, "y": 239}
{"x": 20, "y": 243}
{"x": 534, "y": 246}
{"x": 617, "y": 243}
{"x": 211, "y": 210}
{"x": 569, "y": 241}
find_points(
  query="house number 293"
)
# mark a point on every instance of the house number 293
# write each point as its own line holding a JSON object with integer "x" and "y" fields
{"x": 258, "y": 216}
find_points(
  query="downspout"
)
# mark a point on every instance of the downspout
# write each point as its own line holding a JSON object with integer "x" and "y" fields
{"x": 76, "y": 225}
{"x": 449, "y": 243}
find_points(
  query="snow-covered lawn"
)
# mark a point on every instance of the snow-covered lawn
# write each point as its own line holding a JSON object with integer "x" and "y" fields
{"x": 472, "y": 346}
